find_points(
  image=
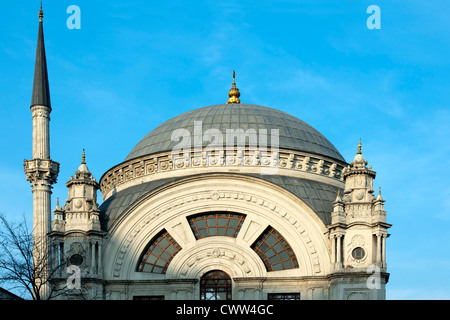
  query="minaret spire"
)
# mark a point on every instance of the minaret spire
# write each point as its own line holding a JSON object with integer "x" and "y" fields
{"x": 41, "y": 91}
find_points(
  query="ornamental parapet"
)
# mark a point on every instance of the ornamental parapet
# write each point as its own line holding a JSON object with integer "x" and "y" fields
{"x": 165, "y": 164}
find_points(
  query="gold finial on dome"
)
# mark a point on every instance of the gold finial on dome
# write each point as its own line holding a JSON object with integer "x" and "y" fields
{"x": 41, "y": 13}
{"x": 359, "y": 147}
{"x": 83, "y": 158}
{"x": 234, "y": 93}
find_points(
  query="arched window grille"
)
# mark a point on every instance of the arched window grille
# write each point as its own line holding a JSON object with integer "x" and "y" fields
{"x": 159, "y": 253}
{"x": 216, "y": 224}
{"x": 274, "y": 251}
{"x": 215, "y": 285}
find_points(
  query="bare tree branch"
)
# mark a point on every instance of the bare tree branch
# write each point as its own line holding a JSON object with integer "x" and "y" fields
{"x": 20, "y": 269}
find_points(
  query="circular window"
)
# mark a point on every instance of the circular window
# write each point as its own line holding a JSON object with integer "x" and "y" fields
{"x": 76, "y": 260}
{"x": 358, "y": 253}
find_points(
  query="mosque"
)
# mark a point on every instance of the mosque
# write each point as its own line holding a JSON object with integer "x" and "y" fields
{"x": 228, "y": 201}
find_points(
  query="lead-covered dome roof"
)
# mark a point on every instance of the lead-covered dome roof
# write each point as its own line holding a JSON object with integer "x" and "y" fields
{"x": 294, "y": 134}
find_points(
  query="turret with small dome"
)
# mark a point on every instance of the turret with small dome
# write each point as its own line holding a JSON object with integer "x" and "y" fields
{"x": 359, "y": 229}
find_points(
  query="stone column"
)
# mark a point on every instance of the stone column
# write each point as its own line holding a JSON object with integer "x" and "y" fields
{"x": 378, "y": 257}
{"x": 93, "y": 262}
{"x": 333, "y": 250}
{"x": 99, "y": 256}
{"x": 339, "y": 251}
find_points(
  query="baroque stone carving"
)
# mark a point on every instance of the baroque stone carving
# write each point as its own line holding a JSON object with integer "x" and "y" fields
{"x": 357, "y": 296}
{"x": 39, "y": 169}
{"x": 154, "y": 164}
{"x": 217, "y": 253}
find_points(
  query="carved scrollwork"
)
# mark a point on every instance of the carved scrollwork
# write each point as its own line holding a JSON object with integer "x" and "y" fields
{"x": 215, "y": 253}
{"x": 155, "y": 164}
{"x": 39, "y": 170}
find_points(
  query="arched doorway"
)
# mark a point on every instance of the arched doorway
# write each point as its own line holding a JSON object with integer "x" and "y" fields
{"x": 215, "y": 285}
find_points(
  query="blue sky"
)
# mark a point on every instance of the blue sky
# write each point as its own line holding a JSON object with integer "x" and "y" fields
{"x": 134, "y": 64}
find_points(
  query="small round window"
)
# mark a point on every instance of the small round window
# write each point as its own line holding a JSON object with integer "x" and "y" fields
{"x": 76, "y": 260}
{"x": 358, "y": 253}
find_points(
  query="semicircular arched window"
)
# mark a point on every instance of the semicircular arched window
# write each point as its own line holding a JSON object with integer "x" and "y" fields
{"x": 212, "y": 224}
{"x": 215, "y": 285}
{"x": 274, "y": 251}
{"x": 159, "y": 253}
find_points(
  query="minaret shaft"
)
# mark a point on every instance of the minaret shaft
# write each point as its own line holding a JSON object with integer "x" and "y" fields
{"x": 41, "y": 217}
{"x": 41, "y": 132}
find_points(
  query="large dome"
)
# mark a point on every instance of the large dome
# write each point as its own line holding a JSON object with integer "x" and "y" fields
{"x": 294, "y": 134}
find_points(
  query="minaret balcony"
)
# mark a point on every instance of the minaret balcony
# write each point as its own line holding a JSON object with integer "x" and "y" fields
{"x": 41, "y": 169}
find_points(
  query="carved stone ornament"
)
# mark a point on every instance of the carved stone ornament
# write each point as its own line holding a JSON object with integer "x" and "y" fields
{"x": 157, "y": 164}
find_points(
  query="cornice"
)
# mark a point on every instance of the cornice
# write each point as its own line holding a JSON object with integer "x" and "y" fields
{"x": 161, "y": 165}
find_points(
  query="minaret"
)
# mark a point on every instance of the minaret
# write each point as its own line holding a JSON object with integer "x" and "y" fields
{"x": 41, "y": 171}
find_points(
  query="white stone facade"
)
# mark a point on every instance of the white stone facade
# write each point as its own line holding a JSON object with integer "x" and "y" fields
{"x": 326, "y": 270}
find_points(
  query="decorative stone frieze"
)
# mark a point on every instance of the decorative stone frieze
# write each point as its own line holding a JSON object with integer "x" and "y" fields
{"x": 39, "y": 111}
{"x": 151, "y": 167}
